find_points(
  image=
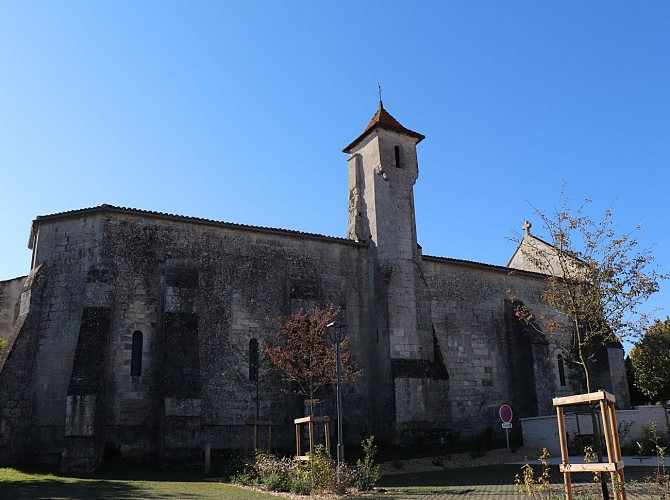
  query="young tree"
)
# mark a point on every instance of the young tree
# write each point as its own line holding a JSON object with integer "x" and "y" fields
{"x": 302, "y": 349}
{"x": 596, "y": 281}
{"x": 636, "y": 395}
{"x": 251, "y": 372}
{"x": 651, "y": 361}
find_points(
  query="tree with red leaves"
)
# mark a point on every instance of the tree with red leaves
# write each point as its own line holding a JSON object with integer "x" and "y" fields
{"x": 302, "y": 349}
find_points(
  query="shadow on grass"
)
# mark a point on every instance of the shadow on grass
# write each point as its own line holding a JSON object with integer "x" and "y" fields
{"x": 121, "y": 472}
{"x": 81, "y": 489}
{"x": 122, "y": 483}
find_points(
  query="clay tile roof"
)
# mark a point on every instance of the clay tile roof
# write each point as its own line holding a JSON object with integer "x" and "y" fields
{"x": 105, "y": 208}
{"x": 383, "y": 119}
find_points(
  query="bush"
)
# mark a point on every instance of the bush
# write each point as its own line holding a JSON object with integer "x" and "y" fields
{"x": 320, "y": 474}
{"x": 277, "y": 482}
{"x": 231, "y": 466}
{"x": 273, "y": 473}
{"x": 536, "y": 488}
{"x": 299, "y": 486}
{"x": 369, "y": 473}
{"x": 323, "y": 475}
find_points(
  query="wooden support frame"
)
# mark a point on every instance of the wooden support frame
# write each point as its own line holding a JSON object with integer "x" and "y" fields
{"x": 311, "y": 422}
{"x": 254, "y": 425}
{"x": 615, "y": 463}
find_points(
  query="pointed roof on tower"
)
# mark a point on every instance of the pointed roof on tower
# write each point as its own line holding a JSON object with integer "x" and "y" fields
{"x": 383, "y": 119}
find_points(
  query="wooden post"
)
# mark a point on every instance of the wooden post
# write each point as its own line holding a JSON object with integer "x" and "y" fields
{"x": 562, "y": 438}
{"x": 615, "y": 464}
{"x": 310, "y": 426}
{"x": 311, "y": 422}
{"x": 208, "y": 457}
{"x": 250, "y": 422}
{"x": 617, "y": 450}
{"x": 297, "y": 438}
{"x": 246, "y": 448}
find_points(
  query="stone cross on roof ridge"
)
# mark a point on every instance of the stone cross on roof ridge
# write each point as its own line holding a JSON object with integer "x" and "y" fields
{"x": 526, "y": 227}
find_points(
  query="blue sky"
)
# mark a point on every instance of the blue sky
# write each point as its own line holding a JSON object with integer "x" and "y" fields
{"x": 238, "y": 111}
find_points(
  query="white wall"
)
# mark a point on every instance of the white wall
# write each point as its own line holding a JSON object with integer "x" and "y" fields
{"x": 542, "y": 432}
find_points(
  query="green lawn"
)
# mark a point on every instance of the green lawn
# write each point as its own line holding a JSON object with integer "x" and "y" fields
{"x": 488, "y": 482}
{"x": 17, "y": 485}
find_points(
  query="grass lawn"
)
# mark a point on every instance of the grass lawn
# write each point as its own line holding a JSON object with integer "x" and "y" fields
{"x": 15, "y": 485}
{"x": 486, "y": 482}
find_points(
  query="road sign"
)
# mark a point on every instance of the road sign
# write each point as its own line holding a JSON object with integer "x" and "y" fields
{"x": 505, "y": 413}
{"x": 507, "y": 425}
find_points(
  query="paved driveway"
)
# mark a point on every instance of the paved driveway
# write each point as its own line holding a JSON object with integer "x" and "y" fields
{"x": 496, "y": 481}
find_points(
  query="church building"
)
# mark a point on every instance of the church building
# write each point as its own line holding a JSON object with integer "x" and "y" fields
{"x": 133, "y": 332}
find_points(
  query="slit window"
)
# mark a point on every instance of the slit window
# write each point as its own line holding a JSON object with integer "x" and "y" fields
{"x": 136, "y": 355}
{"x": 561, "y": 369}
{"x": 397, "y": 156}
{"x": 253, "y": 360}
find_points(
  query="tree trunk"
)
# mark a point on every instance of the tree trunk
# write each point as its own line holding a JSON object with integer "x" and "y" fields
{"x": 597, "y": 437}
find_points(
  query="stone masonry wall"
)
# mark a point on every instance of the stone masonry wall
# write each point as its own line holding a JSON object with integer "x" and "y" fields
{"x": 243, "y": 278}
{"x": 10, "y": 290}
{"x": 16, "y": 375}
{"x": 68, "y": 251}
{"x": 468, "y": 314}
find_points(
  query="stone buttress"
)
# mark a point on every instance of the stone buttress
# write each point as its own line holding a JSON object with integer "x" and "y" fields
{"x": 383, "y": 168}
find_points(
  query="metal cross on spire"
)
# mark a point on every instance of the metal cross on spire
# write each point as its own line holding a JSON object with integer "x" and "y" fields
{"x": 526, "y": 227}
{"x": 379, "y": 86}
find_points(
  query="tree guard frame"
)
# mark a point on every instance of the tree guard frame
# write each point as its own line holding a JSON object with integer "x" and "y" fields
{"x": 615, "y": 463}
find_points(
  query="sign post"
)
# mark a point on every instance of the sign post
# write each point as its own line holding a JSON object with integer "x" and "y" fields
{"x": 505, "y": 413}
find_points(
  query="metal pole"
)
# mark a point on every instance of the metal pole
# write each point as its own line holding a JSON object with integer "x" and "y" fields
{"x": 338, "y": 325}
{"x": 340, "y": 446}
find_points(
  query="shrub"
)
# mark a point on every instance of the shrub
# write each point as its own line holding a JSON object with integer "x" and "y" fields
{"x": 232, "y": 466}
{"x": 277, "y": 482}
{"x": 324, "y": 475}
{"x": 273, "y": 473}
{"x": 320, "y": 474}
{"x": 369, "y": 472}
{"x": 299, "y": 486}
{"x": 661, "y": 478}
{"x": 539, "y": 488}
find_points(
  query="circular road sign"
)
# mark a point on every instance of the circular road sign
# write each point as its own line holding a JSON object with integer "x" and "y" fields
{"x": 505, "y": 413}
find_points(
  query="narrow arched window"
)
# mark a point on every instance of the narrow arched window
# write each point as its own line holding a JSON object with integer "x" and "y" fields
{"x": 397, "y": 156}
{"x": 253, "y": 360}
{"x": 561, "y": 369}
{"x": 136, "y": 355}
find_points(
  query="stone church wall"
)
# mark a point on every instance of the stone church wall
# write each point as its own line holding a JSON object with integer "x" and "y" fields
{"x": 47, "y": 337}
{"x": 198, "y": 293}
{"x": 488, "y": 355}
{"x": 10, "y": 290}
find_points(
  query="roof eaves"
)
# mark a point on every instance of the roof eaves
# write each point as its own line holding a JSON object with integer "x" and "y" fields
{"x": 105, "y": 208}
{"x": 482, "y": 265}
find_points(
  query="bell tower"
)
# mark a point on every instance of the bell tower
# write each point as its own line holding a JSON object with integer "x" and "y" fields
{"x": 383, "y": 168}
